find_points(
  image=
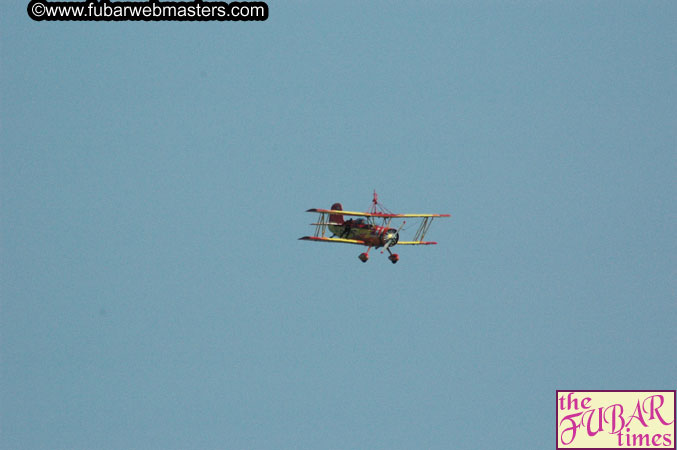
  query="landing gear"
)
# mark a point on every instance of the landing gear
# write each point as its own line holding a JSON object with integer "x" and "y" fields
{"x": 364, "y": 256}
{"x": 394, "y": 257}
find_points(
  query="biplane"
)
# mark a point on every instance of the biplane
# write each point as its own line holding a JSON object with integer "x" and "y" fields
{"x": 371, "y": 229}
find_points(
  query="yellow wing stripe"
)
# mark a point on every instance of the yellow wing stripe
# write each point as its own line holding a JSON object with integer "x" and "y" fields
{"x": 337, "y": 240}
{"x": 416, "y": 243}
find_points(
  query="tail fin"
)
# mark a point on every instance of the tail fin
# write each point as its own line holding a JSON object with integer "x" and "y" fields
{"x": 336, "y": 218}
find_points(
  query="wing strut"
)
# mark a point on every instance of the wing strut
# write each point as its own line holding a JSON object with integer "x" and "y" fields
{"x": 321, "y": 226}
{"x": 423, "y": 229}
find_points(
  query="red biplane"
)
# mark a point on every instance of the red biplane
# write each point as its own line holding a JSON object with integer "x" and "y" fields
{"x": 365, "y": 231}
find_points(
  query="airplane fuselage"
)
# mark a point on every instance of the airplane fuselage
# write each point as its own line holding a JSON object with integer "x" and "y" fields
{"x": 371, "y": 235}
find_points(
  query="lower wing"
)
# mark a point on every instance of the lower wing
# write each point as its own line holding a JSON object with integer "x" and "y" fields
{"x": 337, "y": 240}
{"x": 415, "y": 243}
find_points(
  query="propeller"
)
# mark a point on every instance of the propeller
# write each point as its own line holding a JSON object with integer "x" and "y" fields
{"x": 393, "y": 240}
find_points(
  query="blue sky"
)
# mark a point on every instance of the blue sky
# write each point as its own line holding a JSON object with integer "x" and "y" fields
{"x": 154, "y": 183}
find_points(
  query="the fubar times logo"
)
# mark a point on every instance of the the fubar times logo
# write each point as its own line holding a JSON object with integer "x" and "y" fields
{"x": 616, "y": 420}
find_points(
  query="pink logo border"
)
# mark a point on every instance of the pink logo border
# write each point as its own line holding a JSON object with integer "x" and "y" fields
{"x": 674, "y": 422}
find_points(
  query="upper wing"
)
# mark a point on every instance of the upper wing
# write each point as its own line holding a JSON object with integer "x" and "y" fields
{"x": 358, "y": 242}
{"x": 361, "y": 214}
{"x": 337, "y": 240}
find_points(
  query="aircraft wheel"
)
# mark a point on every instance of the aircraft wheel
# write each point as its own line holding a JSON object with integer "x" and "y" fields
{"x": 363, "y": 257}
{"x": 394, "y": 258}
